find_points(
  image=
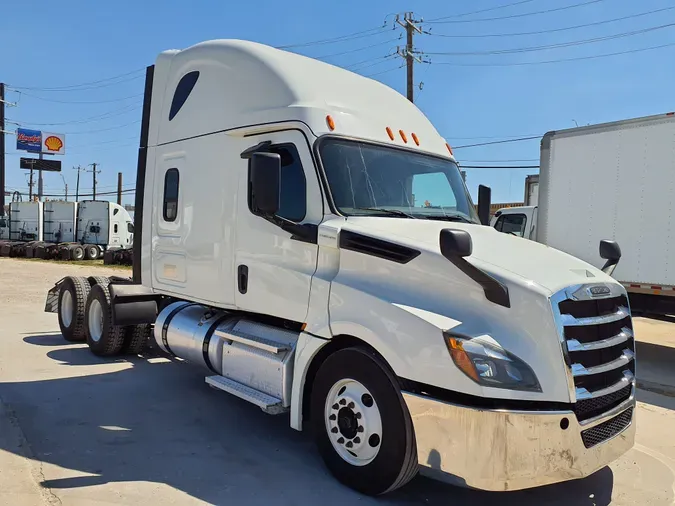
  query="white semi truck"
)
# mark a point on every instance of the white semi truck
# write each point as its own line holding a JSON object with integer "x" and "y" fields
{"x": 284, "y": 245}
{"x": 613, "y": 180}
{"x": 69, "y": 230}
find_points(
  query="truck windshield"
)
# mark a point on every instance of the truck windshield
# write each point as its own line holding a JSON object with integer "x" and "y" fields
{"x": 372, "y": 180}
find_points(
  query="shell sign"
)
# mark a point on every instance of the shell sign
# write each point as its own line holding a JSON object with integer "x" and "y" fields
{"x": 54, "y": 144}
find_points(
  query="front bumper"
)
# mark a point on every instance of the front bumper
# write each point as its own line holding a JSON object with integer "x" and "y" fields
{"x": 510, "y": 450}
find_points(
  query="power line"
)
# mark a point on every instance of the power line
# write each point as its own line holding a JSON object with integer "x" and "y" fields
{"x": 98, "y": 117}
{"x": 503, "y": 141}
{"x": 357, "y": 49}
{"x": 85, "y": 132}
{"x": 525, "y": 14}
{"x": 378, "y": 61}
{"x": 384, "y": 71}
{"x": 514, "y": 160}
{"x": 98, "y": 194}
{"x": 550, "y": 30}
{"x": 557, "y": 45}
{"x": 78, "y": 102}
{"x": 369, "y": 60}
{"x": 498, "y": 166}
{"x": 82, "y": 88}
{"x": 67, "y": 87}
{"x": 488, "y": 137}
{"x": 342, "y": 38}
{"x": 453, "y": 16}
{"x": 560, "y": 60}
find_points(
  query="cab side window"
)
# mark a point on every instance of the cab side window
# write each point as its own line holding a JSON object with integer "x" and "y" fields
{"x": 512, "y": 223}
{"x": 171, "y": 181}
{"x": 293, "y": 200}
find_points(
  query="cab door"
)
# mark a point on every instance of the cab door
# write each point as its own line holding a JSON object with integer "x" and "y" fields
{"x": 273, "y": 267}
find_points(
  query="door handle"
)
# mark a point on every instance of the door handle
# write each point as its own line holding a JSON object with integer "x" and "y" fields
{"x": 242, "y": 278}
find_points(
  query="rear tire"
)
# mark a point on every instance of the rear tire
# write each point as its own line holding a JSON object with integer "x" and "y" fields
{"x": 72, "y": 302}
{"x": 91, "y": 251}
{"x": 76, "y": 252}
{"x": 136, "y": 339}
{"x": 361, "y": 424}
{"x": 104, "y": 338}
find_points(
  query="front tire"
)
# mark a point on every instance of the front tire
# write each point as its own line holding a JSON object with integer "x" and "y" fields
{"x": 72, "y": 301}
{"x": 361, "y": 424}
{"x": 104, "y": 338}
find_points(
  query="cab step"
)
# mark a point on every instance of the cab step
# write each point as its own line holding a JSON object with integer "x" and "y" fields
{"x": 267, "y": 403}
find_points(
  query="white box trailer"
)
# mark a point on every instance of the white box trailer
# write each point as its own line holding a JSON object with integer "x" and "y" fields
{"x": 284, "y": 245}
{"x": 610, "y": 181}
{"x": 60, "y": 221}
{"x": 25, "y": 223}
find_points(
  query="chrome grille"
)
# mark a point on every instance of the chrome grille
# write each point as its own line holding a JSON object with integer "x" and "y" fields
{"x": 606, "y": 430}
{"x": 598, "y": 345}
{"x": 595, "y": 406}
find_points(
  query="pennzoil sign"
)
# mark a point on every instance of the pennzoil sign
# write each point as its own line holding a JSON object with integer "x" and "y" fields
{"x": 36, "y": 141}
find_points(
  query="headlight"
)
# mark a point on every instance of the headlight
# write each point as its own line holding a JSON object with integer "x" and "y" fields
{"x": 488, "y": 364}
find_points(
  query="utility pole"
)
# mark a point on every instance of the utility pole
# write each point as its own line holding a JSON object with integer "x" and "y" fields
{"x": 64, "y": 184}
{"x": 93, "y": 178}
{"x": 77, "y": 185}
{"x": 409, "y": 23}
{"x": 2, "y": 149}
{"x": 30, "y": 186}
{"x": 119, "y": 188}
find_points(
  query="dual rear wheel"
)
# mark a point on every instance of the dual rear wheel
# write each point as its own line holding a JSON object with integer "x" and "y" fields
{"x": 85, "y": 315}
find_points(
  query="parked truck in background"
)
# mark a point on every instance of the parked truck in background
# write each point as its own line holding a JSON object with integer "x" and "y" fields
{"x": 26, "y": 221}
{"x": 283, "y": 244}
{"x": 67, "y": 230}
{"x": 613, "y": 180}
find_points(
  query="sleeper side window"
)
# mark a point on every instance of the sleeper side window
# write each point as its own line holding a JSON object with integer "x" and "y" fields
{"x": 183, "y": 90}
{"x": 115, "y": 228}
{"x": 171, "y": 180}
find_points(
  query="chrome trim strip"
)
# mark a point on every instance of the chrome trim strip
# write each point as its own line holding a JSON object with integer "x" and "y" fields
{"x": 628, "y": 378}
{"x": 624, "y": 359}
{"x": 555, "y": 300}
{"x": 621, "y": 337}
{"x": 620, "y": 314}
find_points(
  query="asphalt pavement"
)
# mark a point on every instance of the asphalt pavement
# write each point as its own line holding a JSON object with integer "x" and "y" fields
{"x": 79, "y": 430}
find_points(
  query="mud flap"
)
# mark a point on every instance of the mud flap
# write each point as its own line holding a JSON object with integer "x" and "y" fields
{"x": 52, "y": 302}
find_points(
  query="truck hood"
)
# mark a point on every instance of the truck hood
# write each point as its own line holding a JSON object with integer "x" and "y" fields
{"x": 502, "y": 255}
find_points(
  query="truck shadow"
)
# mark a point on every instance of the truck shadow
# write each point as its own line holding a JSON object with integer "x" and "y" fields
{"x": 153, "y": 421}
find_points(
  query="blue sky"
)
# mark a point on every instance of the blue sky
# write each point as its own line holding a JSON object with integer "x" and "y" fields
{"x": 471, "y": 98}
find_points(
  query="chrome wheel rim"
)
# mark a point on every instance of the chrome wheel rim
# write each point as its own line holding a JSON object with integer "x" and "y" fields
{"x": 95, "y": 320}
{"x": 353, "y": 422}
{"x": 67, "y": 307}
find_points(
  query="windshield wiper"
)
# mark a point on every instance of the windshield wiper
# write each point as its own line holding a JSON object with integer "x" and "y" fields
{"x": 393, "y": 212}
{"x": 450, "y": 217}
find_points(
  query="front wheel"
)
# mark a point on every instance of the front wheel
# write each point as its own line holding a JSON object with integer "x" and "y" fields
{"x": 361, "y": 424}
